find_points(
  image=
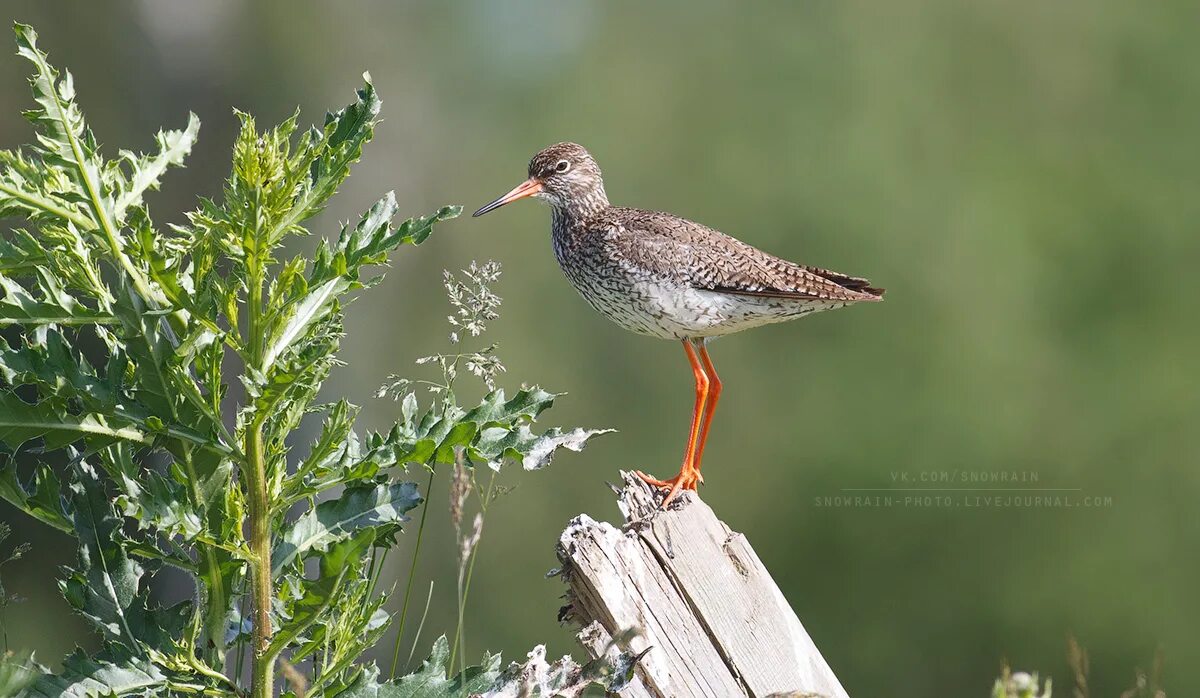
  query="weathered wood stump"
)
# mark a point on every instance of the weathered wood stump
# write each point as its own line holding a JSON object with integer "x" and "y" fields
{"x": 683, "y": 585}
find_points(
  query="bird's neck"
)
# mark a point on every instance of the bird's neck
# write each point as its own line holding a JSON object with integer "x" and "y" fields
{"x": 581, "y": 207}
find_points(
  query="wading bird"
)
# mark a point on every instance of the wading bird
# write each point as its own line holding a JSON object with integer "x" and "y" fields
{"x": 660, "y": 275}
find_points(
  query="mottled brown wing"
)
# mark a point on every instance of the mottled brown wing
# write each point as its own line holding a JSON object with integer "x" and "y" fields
{"x": 699, "y": 256}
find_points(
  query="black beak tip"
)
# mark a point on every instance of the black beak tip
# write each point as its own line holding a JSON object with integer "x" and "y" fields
{"x": 486, "y": 208}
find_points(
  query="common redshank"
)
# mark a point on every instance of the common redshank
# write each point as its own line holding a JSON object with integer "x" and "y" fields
{"x": 660, "y": 275}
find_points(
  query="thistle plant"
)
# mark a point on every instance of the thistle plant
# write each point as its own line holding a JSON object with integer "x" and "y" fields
{"x": 150, "y": 379}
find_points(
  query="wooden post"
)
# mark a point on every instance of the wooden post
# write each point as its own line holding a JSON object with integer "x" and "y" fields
{"x": 682, "y": 584}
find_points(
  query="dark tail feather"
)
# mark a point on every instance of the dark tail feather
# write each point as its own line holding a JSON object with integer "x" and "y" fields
{"x": 872, "y": 290}
{"x": 854, "y": 283}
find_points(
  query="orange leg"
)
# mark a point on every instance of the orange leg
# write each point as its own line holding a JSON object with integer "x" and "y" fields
{"x": 710, "y": 405}
{"x": 688, "y": 476}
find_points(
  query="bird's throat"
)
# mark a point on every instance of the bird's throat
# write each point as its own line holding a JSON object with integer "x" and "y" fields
{"x": 579, "y": 207}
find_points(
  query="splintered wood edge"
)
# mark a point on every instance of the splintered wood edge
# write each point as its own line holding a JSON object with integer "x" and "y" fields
{"x": 597, "y": 561}
{"x": 591, "y": 600}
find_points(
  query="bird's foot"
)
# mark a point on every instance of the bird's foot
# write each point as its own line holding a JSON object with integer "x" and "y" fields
{"x": 694, "y": 476}
{"x": 687, "y": 479}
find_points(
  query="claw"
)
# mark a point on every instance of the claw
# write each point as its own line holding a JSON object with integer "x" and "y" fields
{"x": 687, "y": 479}
{"x": 653, "y": 481}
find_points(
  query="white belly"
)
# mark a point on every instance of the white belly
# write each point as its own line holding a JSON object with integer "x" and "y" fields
{"x": 679, "y": 312}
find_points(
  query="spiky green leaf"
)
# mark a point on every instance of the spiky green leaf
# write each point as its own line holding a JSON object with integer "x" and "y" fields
{"x": 68, "y": 141}
{"x": 42, "y": 499}
{"x": 327, "y": 154}
{"x": 496, "y": 429}
{"x": 21, "y": 421}
{"x": 50, "y": 304}
{"x": 529, "y": 450}
{"x": 113, "y": 673}
{"x": 381, "y": 507}
{"x": 430, "y": 680}
{"x": 105, "y": 581}
{"x": 144, "y": 171}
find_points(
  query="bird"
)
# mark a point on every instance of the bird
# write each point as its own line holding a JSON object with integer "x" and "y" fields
{"x": 660, "y": 275}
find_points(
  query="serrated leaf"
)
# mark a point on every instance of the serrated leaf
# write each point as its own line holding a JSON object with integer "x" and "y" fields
{"x": 29, "y": 188}
{"x": 531, "y": 451}
{"x": 327, "y": 155}
{"x": 150, "y": 349}
{"x": 496, "y": 429}
{"x": 528, "y": 402}
{"x": 115, "y": 673}
{"x": 105, "y": 581}
{"x": 146, "y": 170}
{"x": 342, "y": 562}
{"x": 297, "y": 315}
{"x": 65, "y": 136}
{"x": 430, "y": 680}
{"x": 163, "y": 504}
{"x": 48, "y": 361}
{"x": 105, "y": 585}
{"x": 21, "y": 421}
{"x": 336, "y": 271}
{"x": 51, "y": 306}
{"x": 381, "y": 506}
{"x": 43, "y": 500}
{"x": 20, "y": 252}
{"x": 59, "y": 117}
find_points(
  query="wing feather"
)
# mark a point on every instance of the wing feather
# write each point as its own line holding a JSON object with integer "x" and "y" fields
{"x": 704, "y": 258}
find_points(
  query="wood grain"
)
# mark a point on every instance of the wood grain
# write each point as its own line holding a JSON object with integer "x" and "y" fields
{"x": 681, "y": 583}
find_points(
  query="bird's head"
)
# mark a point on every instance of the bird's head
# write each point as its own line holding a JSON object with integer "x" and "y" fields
{"x": 564, "y": 175}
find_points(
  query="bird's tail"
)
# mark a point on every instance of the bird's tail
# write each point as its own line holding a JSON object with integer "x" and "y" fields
{"x": 853, "y": 283}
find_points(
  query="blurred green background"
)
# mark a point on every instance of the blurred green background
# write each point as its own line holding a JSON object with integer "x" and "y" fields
{"x": 1021, "y": 176}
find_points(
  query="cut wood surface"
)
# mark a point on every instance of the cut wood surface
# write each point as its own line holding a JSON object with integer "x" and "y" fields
{"x": 684, "y": 586}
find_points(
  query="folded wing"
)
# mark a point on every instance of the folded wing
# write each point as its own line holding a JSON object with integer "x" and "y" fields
{"x": 708, "y": 259}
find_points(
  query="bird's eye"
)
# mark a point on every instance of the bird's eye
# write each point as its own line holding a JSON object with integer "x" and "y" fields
{"x": 562, "y": 166}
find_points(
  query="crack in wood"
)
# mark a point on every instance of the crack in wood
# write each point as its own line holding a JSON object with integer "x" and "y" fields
{"x": 694, "y": 592}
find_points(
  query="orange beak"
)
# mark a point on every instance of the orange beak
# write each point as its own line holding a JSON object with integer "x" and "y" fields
{"x": 525, "y": 189}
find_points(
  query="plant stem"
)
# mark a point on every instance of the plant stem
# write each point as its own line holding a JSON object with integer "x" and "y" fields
{"x": 262, "y": 668}
{"x": 420, "y": 626}
{"x": 412, "y": 575}
{"x": 465, "y": 589}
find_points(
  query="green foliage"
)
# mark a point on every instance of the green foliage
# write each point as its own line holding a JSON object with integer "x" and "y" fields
{"x": 113, "y": 672}
{"x": 17, "y": 673}
{"x": 377, "y": 509}
{"x": 123, "y": 342}
{"x": 430, "y": 680}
